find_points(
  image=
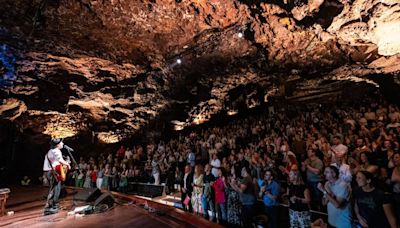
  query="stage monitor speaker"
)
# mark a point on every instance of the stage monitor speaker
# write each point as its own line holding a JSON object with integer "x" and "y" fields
{"x": 147, "y": 190}
{"x": 88, "y": 194}
{"x": 106, "y": 198}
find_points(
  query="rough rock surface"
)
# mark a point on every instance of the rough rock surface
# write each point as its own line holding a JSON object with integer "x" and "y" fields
{"x": 113, "y": 67}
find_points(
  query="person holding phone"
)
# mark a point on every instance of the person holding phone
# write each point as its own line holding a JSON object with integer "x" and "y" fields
{"x": 269, "y": 193}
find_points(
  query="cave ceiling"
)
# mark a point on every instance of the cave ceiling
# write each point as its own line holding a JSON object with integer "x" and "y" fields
{"x": 112, "y": 67}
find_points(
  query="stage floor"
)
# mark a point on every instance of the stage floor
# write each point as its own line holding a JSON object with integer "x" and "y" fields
{"x": 28, "y": 202}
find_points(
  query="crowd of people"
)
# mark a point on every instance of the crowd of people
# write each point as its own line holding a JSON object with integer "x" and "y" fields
{"x": 340, "y": 158}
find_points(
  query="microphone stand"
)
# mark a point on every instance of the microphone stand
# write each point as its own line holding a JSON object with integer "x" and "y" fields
{"x": 76, "y": 169}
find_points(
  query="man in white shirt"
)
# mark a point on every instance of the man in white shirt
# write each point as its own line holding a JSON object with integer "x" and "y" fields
{"x": 215, "y": 164}
{"x": 52, "y": 159}
{"x": 155, "y": 171}
{"x": 338, "y": 149}
{"x": 344, "y": 169}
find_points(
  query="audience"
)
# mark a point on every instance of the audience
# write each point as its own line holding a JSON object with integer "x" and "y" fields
{"x": 357, "y": 144}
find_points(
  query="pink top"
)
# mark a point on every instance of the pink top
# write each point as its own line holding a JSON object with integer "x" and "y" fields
{"x": 219, "y": 190}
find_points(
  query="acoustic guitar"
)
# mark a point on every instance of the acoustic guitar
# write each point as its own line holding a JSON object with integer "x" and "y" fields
{"x": 61, "y": 171}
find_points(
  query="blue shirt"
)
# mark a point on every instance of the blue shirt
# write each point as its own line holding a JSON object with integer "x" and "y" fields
{"x": 274, "y": 189}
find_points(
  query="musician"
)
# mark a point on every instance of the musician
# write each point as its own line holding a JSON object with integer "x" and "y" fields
{"x": 53, "y": 159}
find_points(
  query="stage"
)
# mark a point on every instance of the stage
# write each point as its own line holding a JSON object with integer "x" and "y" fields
{"x": 27, "y": 203}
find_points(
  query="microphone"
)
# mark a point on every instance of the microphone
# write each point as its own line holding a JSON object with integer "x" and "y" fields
{"x": 68, "y": 148}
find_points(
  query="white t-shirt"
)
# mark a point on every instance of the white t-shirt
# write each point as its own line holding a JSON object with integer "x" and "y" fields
{"x": 339, "y": 150}
{"x": 128, "y": 154}
{"x": 215, "y": 163}
{"x": 55, "y": 156}
{"x": 339, "y": 217}
{"x": 154, "y": 167}
{"x": 345, "y": 173}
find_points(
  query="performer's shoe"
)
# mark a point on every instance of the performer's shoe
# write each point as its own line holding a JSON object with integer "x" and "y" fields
{"x": 50, "y": 210}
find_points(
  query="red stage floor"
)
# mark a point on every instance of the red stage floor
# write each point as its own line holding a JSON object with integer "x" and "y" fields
{"x": 27, "y": 204}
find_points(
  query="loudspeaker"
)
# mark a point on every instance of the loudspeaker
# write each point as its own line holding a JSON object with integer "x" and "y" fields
{"x": 147, "y": 190}
{"x": 106, "y": 198}
{"x": 88, "y": 194}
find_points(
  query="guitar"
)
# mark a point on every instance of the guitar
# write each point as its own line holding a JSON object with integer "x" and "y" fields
{"x": 61, "y": 171}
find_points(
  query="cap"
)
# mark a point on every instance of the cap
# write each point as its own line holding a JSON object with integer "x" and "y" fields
{"x": 54, "y": 142}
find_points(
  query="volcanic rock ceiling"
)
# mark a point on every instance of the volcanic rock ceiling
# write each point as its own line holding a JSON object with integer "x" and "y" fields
{"x": 111, "y": 67}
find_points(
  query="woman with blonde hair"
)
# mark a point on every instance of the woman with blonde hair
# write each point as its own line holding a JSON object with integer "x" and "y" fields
{"x": 198, "y": 185}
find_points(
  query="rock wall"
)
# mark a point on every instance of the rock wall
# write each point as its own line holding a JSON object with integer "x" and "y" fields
{"x": 110, "y": 68}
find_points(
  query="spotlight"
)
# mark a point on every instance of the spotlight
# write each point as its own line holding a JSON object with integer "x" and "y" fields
{"x": 178, "y": 61}
{"x": 232, "y": 112}
{"x": 240, "y": 35}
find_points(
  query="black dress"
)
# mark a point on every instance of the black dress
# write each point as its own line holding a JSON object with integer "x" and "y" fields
{"x": 234, "y": 207}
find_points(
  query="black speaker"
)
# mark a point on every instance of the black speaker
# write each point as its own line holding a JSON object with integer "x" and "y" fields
{"x": 106, "y": 199}
{"x": 88, "y": 194}
{"x": 147, "y": 190}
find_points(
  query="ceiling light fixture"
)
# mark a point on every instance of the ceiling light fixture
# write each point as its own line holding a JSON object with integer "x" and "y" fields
{"x": 240, "y": 35}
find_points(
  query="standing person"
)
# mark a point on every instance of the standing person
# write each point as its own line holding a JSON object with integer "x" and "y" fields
{"x": 79, "y": 179}
{"x": 372, "y": 206}
{"x": 215, "y": 164}
{"x": 105, "y": 185}
{"x": 242, "y": 162}
{"x": 53, "y": 159}
{"x": 299, "y": 201}
{"x": 220, "y": 202}
{"x": 198, "y": 185}
{"x": 246, "y": 189}
{"x": 344, "y": 169}
{"x": 88, "y": 182}
{"x": 123, "y": 179}
{"x": 191, "y": 159}
{"x": 100, "y": 174}
{"x": 337, "y": 198}
{"x": 395, "y": 179}
{"x": 121, "y": 152}
{"x": 313, "y": 167}
{"x": 234, "y": 206}
{"x": 155, "y": 170}
{"x": 338, "y": 149}
{"x": 113, "y": 179}
{"x": 207, "y": 199}
{"x": 93, "y": 177}
{"x": 186, "y": 188}
{"x": 269, "y": 193}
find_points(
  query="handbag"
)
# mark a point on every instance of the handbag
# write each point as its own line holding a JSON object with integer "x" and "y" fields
{"x": 186, "y": 201}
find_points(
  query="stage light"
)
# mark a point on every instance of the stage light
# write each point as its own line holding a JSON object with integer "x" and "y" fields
{"x": 178, "y": 61}
{"x": 178, "y": 128}
{"x": 62, "y": 126}
{"x": 60, "y": 131}
{"x": 240, "y": 35}
{"x": 178, "y": 125}
{"x": 232, "y": 112}
{"x": 108, "y": 137}
{"x": 199, "y": 119}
